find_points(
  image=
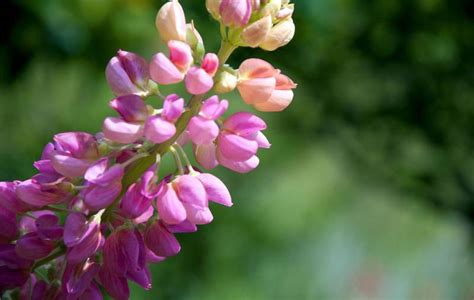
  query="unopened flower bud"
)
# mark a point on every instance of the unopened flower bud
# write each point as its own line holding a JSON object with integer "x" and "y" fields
{"x": 226, "y": 82}
{"x": 213, "y": 8}
{"x": 280, "y": 35}
{"x": 127, "y": 73}
{"x": 235, "y": 13}
{"x": 271, "y": 8}
{"x": 256, "y": 32}
{"x": 170, "y": 22}
{"x": 285, "y": 12}
{"x": 194, "y": 40}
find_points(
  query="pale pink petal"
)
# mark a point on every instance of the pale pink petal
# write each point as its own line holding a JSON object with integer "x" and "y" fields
{"x": 197, "y": 81}
{"x": 197, "y": 214}
{"x": 212, "y": 108}
{"x": 256, "y": 90}
{"x": 117, "y": 130}
{"x": 163, "y": 71}
{"x": 215, "y": 189}
{"x": 202, "y": 131}
{"x": 244, "y": 123}
{"x": 159, "y": 130}
{"x": 206, "y": 155}
{"x": 235, "y": 147}
{"x": 239, "y": 166}
{"x": 256, "y": 68}
{"x": 190, "y": 190}
{"x": 170, "y": 209}
{"x": 69, "y": 166}
{"x": 279, "y": 100}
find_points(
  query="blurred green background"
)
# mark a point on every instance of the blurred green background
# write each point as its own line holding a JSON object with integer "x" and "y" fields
{"x": 368, "y": 191}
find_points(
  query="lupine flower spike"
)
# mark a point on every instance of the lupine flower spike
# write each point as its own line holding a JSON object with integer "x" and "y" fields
{"x": 99, "y": 211}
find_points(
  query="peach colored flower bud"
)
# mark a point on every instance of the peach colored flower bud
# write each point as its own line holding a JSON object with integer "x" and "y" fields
{"x": 280, "y": 35}
{"x": 171, "y": 22}
{"x": 263, "y": 86}
{"x": 255, "y": 33}
{"x": 213, "y": 8}
{"x": 235, "y": 13}
{"x": 225, "y": 82}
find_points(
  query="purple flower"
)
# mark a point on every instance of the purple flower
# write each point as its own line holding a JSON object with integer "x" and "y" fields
{"x": 32, "y": 246}
{"x": 103, "y": 184}
{"x": 9, "y": 199}
{"x": 83, "y": 238}
{"x": 137, "y": 200}
{"x": 161, "y": 241}
{"x": 115, "y": 285}
{"x": 74, "y": 153}
{"x": 124, "y": 251}
{"x": 8, "y": 224}
{"x": 78, "y": 278}
{"x": 48, "y": 227}
{"x": 127, "y": 73}
{"x": 12, "y": 278}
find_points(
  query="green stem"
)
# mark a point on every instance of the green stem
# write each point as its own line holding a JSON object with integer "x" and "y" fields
{"x": 57, "y": 253}
{"x": 225, "y": 51}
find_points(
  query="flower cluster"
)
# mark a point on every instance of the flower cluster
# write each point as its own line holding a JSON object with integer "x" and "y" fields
{"x": 98, "y": 212}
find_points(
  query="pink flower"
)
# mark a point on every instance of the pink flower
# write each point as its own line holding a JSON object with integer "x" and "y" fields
{"x": 237, "y": 144}
{"x": 127, "y": 73}
{"x": 129, "y": 127}
{"x": 202, "y": 129}
{"x": 184, "y": 198}
{"x": 164, "y": 70}
{"x": 235, "y": 13}
{"x": 263, "y": 86}
{"x": 160, "y": 128}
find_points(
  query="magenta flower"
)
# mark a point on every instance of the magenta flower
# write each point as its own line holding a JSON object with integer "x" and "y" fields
{"x": 78, "y": 279}
{"x": 202, "y": 129}
{"x": 199, "y": 80}
{"x": 161, "y": 241}
{"x": 37, "y": 194}
{"x": 127, "y": 73}
{"x": 32, "y": 246}
{"x": 8, "y": 224}
{"x": 160, "y": 128}
{"x": 129, "y": 127}
{"x": 138, "y": 199}
{"x": 9, "y": 199}
{"x": 74, "y": 153}
{"x": 103, "y": 184}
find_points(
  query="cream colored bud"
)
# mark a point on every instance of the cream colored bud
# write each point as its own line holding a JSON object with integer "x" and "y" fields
{"x": 271, "y": 8}
{"x": 255, "y": 33}
{"x": 170, "y": 22}
{"x": 285, "y": 12}
{"x": 280, "y": 35}
{"x": 213, "y": 8}
{"x": 225, "y": 82}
